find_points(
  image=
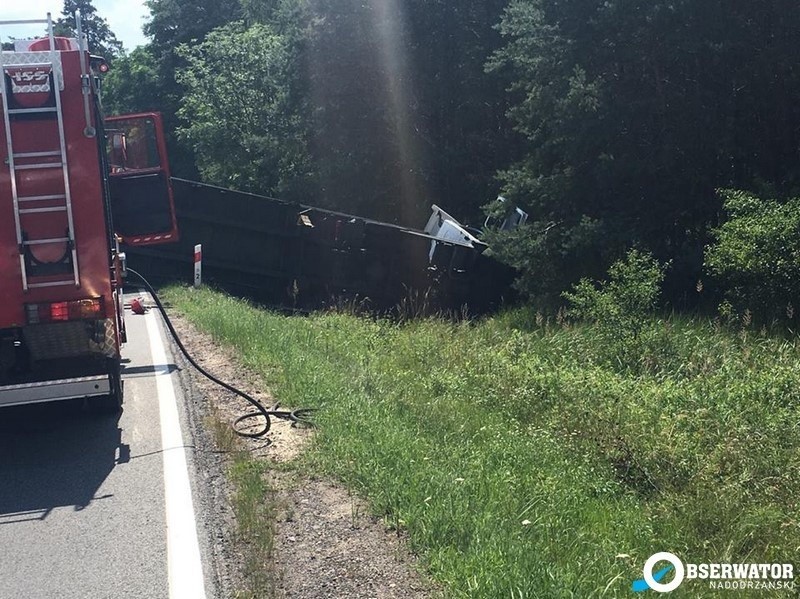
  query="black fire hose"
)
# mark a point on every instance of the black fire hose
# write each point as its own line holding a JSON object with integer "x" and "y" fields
{"x": 299, "y": 416}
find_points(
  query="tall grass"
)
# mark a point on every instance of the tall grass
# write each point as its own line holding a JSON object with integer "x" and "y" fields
{"x": 522, "y": 461}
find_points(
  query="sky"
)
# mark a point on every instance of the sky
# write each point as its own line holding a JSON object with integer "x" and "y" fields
{"x": 125, "y": 17}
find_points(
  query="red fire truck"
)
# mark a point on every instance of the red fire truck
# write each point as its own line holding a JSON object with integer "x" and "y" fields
{"x": 72, "y": 188}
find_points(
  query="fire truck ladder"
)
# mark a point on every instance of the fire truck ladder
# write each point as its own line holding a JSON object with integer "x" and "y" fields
{"x": 36, "y": 273}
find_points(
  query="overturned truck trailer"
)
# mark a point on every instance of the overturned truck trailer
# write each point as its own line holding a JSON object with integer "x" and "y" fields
{"x": 300, "y": 257}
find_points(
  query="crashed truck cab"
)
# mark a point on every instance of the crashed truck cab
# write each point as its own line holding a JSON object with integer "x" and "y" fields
{"x": 64, "y": 209}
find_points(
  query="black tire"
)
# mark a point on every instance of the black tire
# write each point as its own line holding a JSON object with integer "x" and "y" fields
{"x": 111, "y": 403}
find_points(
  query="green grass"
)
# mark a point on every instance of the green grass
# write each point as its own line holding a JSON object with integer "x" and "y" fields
{"x": 255, "y": 507}
{"x": 524, "y": 458}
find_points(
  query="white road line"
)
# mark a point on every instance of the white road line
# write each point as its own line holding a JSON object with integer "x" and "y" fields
{"x": 183, "y": 551}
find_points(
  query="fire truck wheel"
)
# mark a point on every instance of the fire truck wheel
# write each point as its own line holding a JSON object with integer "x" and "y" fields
{"x": 111, "y": 403}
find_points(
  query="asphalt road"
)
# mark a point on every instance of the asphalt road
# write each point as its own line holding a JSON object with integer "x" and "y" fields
{"x": 104, "y": 506}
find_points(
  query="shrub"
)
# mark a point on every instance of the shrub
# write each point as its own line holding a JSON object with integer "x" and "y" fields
{"x": 621, "y": 307}
{"x": 548, "y": 255}
{"x": 756, "y": 254}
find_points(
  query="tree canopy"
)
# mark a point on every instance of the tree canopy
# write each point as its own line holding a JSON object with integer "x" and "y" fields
{"x": 636, "y": 111}
{"x": 238, "y": 115}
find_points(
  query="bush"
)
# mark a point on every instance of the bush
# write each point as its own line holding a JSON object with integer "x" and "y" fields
{"x": 621, "y": 308}
{"x": 548, "y": 255}
{"x": 756, "y": 255}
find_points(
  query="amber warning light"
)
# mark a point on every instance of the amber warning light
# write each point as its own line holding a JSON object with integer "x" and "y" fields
{"x": 85, "y": 309}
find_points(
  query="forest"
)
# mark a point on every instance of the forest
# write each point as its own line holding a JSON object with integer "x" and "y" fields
{"x": 667, "y": 126}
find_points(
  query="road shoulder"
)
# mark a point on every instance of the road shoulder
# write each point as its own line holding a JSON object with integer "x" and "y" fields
{"x": 326, "y": 543}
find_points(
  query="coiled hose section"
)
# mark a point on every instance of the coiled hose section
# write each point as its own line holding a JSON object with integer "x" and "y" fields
{"x": 299, "y": 416}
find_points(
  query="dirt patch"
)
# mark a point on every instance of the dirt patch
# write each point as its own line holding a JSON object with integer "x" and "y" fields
{"x": 329, "y": 546}
{"x": 283, "y": 442}
{"x": 326, "y": 543}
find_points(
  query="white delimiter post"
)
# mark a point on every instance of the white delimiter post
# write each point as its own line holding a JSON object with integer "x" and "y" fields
{"x": 198, "y": 265}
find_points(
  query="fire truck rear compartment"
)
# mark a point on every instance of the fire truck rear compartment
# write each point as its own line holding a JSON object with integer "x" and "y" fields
{"x": 55, "y": 361}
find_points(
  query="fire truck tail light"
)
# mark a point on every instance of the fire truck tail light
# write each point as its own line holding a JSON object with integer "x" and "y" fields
{"x": 85, "y": 309}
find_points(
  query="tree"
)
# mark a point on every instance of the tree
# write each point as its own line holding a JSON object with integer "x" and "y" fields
{"x": 172, "y": 23}
{"x": 404, "y": 114}
{"x": 362, "y": 107}
{"x": 462, "y": 110}
{"x": 101, "y": 39}
{"x": 635, "y": 111}
{"x": 175, "y": 22}
{"x": 238, "y": 113}
{"x": 132, "y": 84}
{"x": 755, "y": 254}
{"x": 397, "y": 107}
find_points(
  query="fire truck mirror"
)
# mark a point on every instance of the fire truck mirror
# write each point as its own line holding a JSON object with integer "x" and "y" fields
{"x": 116, "y": 151}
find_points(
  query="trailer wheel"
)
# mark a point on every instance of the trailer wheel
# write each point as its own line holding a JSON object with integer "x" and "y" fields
{"x": 111, "y": 403}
